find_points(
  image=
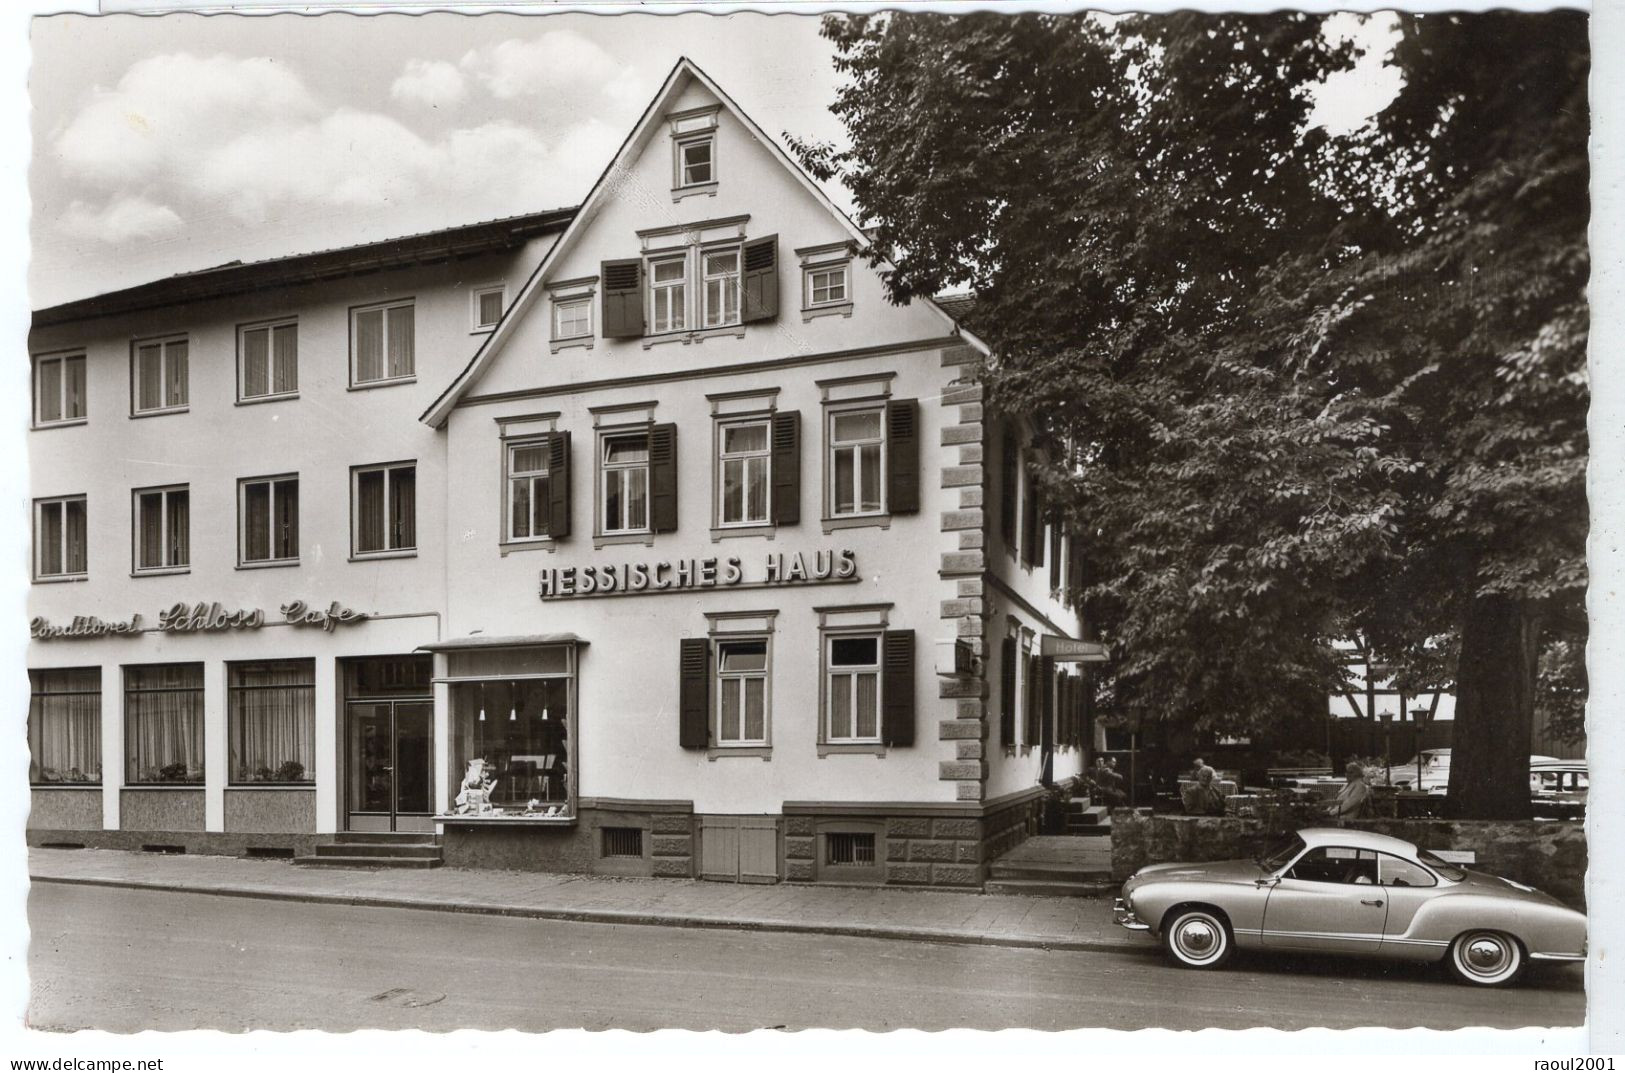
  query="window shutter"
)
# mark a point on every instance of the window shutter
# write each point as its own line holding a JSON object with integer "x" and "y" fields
{"x": 760, "y": 285}
{"x": 786, "y": 468}
{"x": 622, "y": 301}
{"x": 1009, "y": 487}
{"x": 1063, "y": 708}
{"x": 558, "y": 485}
{"x": 1030, "y": 702}
{"x": 1007, "y": 693}
{"x": 1074, "y": 570}
{"x": 694, "y": 693}
{"x": 663, "y": 478}
{"x": 902, "y": 457}
{"x": 897, "y": 662}
{"x": 1055, "y": 557}
{"x": 1032, "y": 528}
{"x": 1046, "y": 684}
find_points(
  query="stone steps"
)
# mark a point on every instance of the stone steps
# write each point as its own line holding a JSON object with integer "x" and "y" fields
{"x": 376, "y": 849}
{"x": 335, "y": 861}
{"x": 1056, "y": 866}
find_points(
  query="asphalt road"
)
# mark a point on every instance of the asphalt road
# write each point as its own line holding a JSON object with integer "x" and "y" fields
{"x": 126, "y": 960}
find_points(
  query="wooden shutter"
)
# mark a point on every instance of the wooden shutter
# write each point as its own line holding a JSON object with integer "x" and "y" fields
{"x": 694, "y": 693}
{"x": 1030, "y": 702}
{"x": 1007, "y": 693}
{"x": 897, "y": 687}
{"x": 1063, "y": 708}
{"x": 786, "y": 468}
{"x": 760, "y": 283}
{"x": 1046, "y": 701}
{"x": 1009, "y": 486}
{"x": 902, "y": 457}
{"x": 621, "y": 305}
{"x": 1074, "y": 570}
{"x": 1055, "y": 557}
{"x": 558, "y": 485}
{"x": 663, "y": 478}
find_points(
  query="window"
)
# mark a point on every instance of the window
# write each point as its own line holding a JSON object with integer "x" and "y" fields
{"x": 1397, "y": 872}
{"x": 668, "y": 294}
{"x": 163, "y": 723}
{"x": 158, "y": 375}
{"x": 486, "y": 306}
{"x": 622, "y": 842}
{"x": 853, "y": 689}
{"x": 381, "y": 343}
{"x": 696, "y": 163}
{"x": 572, "y": 317}
{"x": 849, "y": 847}
{"x": 743, "y": 473}
{"x": 742, "y": 692}
{"x": 163, "y": 528}
{"x": 59, "y": 389}
{"x": 267, "y": 361}
{"x": 527, "y": 490}
{"x": 625, "y": 472}
{"x": 59, "y": 537}
{"x": 721, "y": 287}
{"x": 517, "y": 730}
{"x": 856, "y": 443}
{"x": 268, "y": 520}
{"x": 385, "y": 509}
{"x": 271, "y": 721}
{"x": 826, "y": 285}
{"x": 65, "y": 727}
{"x": 1336, "y": 864}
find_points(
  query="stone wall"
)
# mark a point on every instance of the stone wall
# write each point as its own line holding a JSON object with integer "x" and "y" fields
{"x": 1550, "y": 856}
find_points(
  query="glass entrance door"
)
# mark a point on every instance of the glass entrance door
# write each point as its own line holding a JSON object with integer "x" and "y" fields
{"x": 390, "y": 748}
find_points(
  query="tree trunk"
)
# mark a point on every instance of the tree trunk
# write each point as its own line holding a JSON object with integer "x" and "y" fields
{"x": 1495, "y": 708}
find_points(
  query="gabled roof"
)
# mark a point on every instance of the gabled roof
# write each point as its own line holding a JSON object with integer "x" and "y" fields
{"x": 428, "y": 247}
{"x": 683, "y": 72}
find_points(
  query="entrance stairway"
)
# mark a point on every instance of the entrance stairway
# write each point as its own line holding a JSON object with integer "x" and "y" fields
{"x": 1084, "y": 818}
{"x": 1065, "y": 866}
{"x": 376, "y": 849}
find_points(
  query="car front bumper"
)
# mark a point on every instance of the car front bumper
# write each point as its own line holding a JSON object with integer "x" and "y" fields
{"x": 1124, "y": 917}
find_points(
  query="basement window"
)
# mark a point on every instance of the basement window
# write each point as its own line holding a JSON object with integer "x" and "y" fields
{"x": 849, "y": 847}
{"x": 623, "y": 842}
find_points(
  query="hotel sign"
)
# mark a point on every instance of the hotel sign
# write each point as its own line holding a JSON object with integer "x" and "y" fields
{"x": 198, "y": 618}
{"x": 829, "y": 566}
{"x": 1066, "y": 650}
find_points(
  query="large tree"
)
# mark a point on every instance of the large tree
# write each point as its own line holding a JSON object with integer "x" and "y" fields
{"x": 1294, "y": 405}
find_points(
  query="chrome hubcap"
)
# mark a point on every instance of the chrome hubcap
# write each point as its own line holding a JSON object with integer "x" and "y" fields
{"x": 1198, "y": 938}
{"x": 1486, "y": 955}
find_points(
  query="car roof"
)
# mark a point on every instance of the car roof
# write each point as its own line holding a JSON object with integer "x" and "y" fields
{"x": 1345, "y": 836}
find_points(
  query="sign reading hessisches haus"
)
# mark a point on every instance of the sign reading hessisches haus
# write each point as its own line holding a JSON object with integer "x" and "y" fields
{"x": 829, "y": 566}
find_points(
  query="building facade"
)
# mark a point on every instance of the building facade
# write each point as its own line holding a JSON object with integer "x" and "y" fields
{"x": 672, "y": 548}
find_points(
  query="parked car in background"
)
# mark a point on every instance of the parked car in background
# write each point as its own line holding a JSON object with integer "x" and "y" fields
{"x": 1342, "y": 891}
{"x": 1558, "y": 788}
{"x": 1435, "y": 766}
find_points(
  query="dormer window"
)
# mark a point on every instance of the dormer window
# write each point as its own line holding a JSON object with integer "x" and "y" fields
{"x": 694, "y": 152}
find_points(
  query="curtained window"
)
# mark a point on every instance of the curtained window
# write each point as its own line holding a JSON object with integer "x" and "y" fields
{"x": 853, "y": 689}
{"x": 158, "y": 375}
{"x": 163, "y": 723}
{"x": 381, "y": 343}
{"x": 527, "y": 490}
{"x": 163, "y": 528}
{"x": 743, "y": 472}
{"x": 625, "y": 472}
{"x": 59, "y": 389}
{"x": 856, "y": 439}
{"x": 271, "y": 722}
{"x": 385, "y": 508}
{"x": 59, "y": 537}
{"x": 488, "y": 302}
{"x": 269, "y": 360}
{"x": 65, "y": 727}
{"x": 269, "y": 519}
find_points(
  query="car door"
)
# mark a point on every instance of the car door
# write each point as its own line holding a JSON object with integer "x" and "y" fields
{"x": 1327, "y": 901}
{"x": 1406, "y": 886}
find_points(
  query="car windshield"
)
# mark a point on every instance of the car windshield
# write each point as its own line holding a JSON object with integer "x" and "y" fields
{"x": 1450, "y": 871}
{"x": 1281, "y": 854}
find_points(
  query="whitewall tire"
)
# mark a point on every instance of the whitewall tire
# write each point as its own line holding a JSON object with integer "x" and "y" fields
{"x": 1198, "y": 938}
{"x": 1486, "y": 959}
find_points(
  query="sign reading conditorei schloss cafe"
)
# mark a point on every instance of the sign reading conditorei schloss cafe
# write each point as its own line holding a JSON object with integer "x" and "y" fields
{"x": 829, "y": 566}
{"x": 198, "y": 618}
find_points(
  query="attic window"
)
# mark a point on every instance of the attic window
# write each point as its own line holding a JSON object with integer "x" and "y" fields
{"x": 694, "y": 150}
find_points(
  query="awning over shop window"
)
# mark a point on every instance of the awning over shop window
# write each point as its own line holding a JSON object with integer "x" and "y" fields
{"x": 534, "y": 640}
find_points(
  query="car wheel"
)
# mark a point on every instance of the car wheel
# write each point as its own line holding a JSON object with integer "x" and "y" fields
{"x": 1198, "y": 938}
{"x": 1486, "y": 958}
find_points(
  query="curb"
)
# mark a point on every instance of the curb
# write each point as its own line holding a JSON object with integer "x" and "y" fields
{"x": 615, "y": 916}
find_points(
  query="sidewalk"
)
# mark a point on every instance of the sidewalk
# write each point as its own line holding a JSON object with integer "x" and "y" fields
{"x": 885, "y": 913}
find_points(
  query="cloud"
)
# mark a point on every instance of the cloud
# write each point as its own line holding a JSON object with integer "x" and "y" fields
{"x": 120, "y": 220}
{"x": 557, "y": 64}
{"x": 429, "y": 83}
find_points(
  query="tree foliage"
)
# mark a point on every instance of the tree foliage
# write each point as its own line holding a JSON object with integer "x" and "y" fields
{"x": 1294, "y": 386}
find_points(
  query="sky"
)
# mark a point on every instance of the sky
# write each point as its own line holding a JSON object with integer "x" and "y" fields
{"x": 169, "y": 144}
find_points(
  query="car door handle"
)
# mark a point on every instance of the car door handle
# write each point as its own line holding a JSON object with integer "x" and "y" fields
{"x": 1371, "y": 901}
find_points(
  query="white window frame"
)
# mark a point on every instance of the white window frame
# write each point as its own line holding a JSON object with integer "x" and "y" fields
{"x": 383, "y": 308}
{"x": 605, "y": 467}
{"x": 163, "y": 343}
{"x": 269, "y": 327}
{"x": 164, "y": 491}
{"x": 355, "y": 511}
{"x": 681, "y": 145}
{"x": 731, "y": 280}
{"x": 833, "y": 448}
{"x": 62, "y": 359}
{"x": 477, "y": 326}
{"x": 826, "y": 717}
{"x": 724, "y": 456}
{"x": 509, "y": 476}
{"x": 61, "y": 503}
{"x": 679, "y": 307}
{"x": 737, "y": 679}
{"x": 844, "y": 267}
{"x": 563, "y": 302}
{"x": 271, "y": 520}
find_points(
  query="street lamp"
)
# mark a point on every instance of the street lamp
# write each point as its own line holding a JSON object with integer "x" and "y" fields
{"x": 1387, "y": 717}
{"x": 1421, "y": 717}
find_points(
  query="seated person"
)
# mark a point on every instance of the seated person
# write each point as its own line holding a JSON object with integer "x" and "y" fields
{"x": 1203, "y": 797}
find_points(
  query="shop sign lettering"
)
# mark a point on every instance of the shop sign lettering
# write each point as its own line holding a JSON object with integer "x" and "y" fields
{"x": 183, "y": 618}
{"x": 299, "y": 614}
{"x": 82, "y": 626}
{"x": 625, "y": 579}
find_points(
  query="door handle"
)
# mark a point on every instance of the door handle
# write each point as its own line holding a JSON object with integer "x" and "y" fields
{"x": 1371, "y": 901}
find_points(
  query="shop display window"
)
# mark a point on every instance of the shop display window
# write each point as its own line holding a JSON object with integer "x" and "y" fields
{"x": 163, "y": 724}
{"x": 511, "y": 748}
{"x": 65, "y": 727}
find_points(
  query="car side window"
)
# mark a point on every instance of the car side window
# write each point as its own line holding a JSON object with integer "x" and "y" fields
{"x": 1398, "y": 872}
{"x": 1336, "y": 864}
